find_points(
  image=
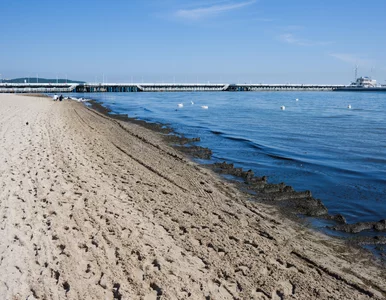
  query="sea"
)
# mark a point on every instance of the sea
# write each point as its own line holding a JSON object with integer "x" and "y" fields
{"x": 331, "y": 143}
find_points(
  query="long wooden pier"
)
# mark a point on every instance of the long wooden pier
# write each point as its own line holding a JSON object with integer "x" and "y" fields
{"x": 37, "y": 87}
{"x": 157, "y": 87}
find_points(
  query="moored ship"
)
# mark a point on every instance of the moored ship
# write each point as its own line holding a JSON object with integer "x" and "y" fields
{"x": 363, "y": 84}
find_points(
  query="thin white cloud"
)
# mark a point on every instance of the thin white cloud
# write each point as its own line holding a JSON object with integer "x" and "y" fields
{"x": 201, "y": 12}
{"x": 353, "y": 59}
{"x": 288, "y": 38}
{"x": 291, "y": 39}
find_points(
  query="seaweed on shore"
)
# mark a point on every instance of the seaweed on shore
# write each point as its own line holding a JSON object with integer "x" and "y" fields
{"x": 280, "y": 194}
{"x": 285, "y": 197}
{"x": 157, "y": 127}
{"x": 361, "y": 226}
{"x": 180, "y": 142}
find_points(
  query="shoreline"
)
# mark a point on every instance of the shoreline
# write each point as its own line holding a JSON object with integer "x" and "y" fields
{"x": 97, "y": 207}
{"x": 293, "y": 204}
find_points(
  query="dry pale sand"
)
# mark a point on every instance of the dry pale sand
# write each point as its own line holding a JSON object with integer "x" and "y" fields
{"x": 94, "y": 208}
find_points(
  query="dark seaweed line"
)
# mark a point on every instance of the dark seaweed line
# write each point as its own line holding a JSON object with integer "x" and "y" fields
{"x": 102, "y": 111}
{"x": 111, "y": 118}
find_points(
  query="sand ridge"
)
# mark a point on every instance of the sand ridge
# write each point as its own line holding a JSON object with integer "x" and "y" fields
{"x": 96, "y": 208}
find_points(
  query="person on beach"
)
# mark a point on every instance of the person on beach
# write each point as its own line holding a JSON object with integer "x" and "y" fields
{"x": 60, "y": 97}
{"x": 55, "y": 97}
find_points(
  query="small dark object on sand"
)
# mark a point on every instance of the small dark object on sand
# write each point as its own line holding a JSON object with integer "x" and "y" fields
{"x": 26, "y": 123}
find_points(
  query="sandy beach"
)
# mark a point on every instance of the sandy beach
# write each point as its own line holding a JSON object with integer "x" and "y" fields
{"x": 96, "y": 208}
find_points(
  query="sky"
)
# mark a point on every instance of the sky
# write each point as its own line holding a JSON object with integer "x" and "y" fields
{"x": 217, "y": 41}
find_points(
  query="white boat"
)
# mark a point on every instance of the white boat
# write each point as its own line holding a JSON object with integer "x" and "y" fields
{"x": 364, "y": 82}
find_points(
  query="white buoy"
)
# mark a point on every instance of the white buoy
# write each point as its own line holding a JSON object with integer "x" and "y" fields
{"x": 297, "y": 99}
{"x": 204, "y": 107}
{"x": 180, "y": 105}
{"x": 282, "y": 107}
{"x": 349, "y": 106}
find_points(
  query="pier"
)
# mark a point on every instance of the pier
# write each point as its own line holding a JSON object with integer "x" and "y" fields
{"x": 37, "y": 87}
{"x": 158, "y": 87}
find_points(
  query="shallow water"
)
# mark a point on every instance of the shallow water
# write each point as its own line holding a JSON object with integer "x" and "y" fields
{"x": 315, "y": 144}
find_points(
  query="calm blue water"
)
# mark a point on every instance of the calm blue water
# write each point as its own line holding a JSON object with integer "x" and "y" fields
{"x": 315, "y": 144}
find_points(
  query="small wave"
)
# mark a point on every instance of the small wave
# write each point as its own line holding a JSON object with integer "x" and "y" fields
{"x": 336, "y": 117}
{"x": 246, "y": 141}
{"x": 276, "y": 156}
{"x": 256, "y": 146}
{"x": 378, "y": 129}
{"x": 216, "y": 132}
{"x": 238, "y": 139}
{"x": 375, "y": 160}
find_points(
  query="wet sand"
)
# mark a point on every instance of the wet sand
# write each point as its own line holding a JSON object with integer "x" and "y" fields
{"x": 97, "y": 208}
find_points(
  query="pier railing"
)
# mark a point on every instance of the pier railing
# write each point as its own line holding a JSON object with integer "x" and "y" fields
{"x": 157, "y": 87}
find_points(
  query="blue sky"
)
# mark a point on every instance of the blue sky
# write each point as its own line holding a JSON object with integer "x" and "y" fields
{"x": 269, "y": 41}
